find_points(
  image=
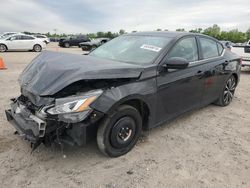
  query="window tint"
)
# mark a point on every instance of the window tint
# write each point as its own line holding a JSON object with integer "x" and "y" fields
{"x": 185, "y": 48}
{"x": 81, "y": 37}
{"x": 220, "y": 48}
{"x": 17, "y": 37}
{"x": 209, "y": 48}
{"x": 26, "y": 37}
{"x": 40, "y": 37}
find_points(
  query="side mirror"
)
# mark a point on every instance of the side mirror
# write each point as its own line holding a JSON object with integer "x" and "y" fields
{"x": 175, "y": 63}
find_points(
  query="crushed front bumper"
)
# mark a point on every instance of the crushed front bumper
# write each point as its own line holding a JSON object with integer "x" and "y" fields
{"x": 27, "y": 125}
{"x": 37, "y": 131}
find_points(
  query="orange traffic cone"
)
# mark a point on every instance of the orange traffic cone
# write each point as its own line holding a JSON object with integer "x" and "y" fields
{"x": 2, "y": 65}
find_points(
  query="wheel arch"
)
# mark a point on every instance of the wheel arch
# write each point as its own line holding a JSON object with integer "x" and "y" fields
{"x": 137, "y": 102}
{"x": 37, "y": 44}
{"x": 4, "y": 45}
{"x": 236, "y": 77}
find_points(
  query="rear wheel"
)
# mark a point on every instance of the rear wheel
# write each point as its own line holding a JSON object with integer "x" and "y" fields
{"x": 119, "y": 132}
{"x": 228, "y": 92}
{"x": 37, "y": 48}
{"x": 3, "y": 48}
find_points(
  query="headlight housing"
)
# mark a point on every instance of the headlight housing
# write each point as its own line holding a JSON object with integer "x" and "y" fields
{"x": 74, "y": 108}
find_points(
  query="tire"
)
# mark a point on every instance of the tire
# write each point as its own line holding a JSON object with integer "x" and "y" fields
{"x": 89, "y": 48}
{"x": 3, "y": 48}
{"x": 119, "y": 132}
{"x": 66, "y": 45}
{"x": 37, "y": 48}
{"x": 93, "y": 47}
{"x": 227, "y": 93}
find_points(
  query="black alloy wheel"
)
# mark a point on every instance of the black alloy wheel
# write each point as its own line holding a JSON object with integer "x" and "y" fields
{"x": 228, "y": 92}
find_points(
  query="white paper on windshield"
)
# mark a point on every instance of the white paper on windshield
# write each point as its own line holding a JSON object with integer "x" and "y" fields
{"x": 150, "y": 47}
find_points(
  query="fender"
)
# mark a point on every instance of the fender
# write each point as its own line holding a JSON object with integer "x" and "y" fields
{"x": 115, "y": 96}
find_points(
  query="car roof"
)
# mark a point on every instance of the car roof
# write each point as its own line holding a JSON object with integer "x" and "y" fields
{"x": 19, "y": 34}
{"x": 170, "y": 34}
{"x": 10, "y": 32}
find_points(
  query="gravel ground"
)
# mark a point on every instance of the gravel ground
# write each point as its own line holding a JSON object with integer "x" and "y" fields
{"x": 209, "y": 147}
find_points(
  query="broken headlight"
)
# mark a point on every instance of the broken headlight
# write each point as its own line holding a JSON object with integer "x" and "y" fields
{"x": 75, "y": 108}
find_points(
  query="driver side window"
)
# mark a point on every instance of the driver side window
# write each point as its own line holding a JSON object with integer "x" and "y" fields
{"x": 185, "y": 48}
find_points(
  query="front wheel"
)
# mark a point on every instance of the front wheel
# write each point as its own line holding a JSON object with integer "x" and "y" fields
{"x": 120, "y": 131}
{"x": 3, "y": 48}
{"x": 228, "y": 92}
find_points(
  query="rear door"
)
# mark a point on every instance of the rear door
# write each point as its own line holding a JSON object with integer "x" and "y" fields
{"x": 27, "y": 41}
{"x": 180, "y": 90}
{"x": 214, "y": 64}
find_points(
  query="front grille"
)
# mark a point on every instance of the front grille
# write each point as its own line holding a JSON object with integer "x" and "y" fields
{"x": 23, "y": 99}
{"x": 26, "y": 102}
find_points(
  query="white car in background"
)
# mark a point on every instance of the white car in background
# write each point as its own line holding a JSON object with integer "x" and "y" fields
{"x": 21, "y": 42}
{"x": 43, "y": 37}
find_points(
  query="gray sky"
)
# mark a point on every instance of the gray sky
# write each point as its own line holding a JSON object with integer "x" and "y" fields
{"x": 81, "y": 16}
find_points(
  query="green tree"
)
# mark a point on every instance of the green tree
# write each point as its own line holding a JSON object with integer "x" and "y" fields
{"x": 122, "y": 31}
{"x": 180, "y": 29}
{"x": 213, "y": 31}
{"x": 248, "y": 34}
{"x": 92, "y": 35}
{"x": 100, "y": 34}
{"x": 197, "y": 30}
{"x": 236, "y": 36}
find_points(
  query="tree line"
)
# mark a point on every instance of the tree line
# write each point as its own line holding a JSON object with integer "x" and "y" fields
{"x": 215, "y": 31}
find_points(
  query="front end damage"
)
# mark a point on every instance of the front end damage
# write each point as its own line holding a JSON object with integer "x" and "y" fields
{"x": 63, "y": 121}
{"x": 57, "y": 92}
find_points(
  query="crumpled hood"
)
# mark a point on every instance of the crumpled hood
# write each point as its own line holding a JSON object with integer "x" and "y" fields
{"x": 50, "y": 71}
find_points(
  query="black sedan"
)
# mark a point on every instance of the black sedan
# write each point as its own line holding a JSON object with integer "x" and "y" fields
{"x": 73, "y": 41}
{"x": 134, "y": 82}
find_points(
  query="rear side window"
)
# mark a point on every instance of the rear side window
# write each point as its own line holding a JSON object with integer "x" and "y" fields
{"x": 40, "y": 37}
{"x": 209, "y": 48}
{"x": 185, "y": 48}
{"x": 220, "y": 48}
{"x": 26, "y": 37}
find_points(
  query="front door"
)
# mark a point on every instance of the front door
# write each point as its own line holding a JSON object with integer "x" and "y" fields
{"x": 15, "y": 43}
{"x": 180, "y": 90}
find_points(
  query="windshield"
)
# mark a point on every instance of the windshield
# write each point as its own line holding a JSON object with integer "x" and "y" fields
{"x": 132, "y": 49}
{"x": 4, "y": 37}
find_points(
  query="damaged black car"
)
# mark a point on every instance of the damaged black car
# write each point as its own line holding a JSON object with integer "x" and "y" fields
{"x": 134, "y": 82}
